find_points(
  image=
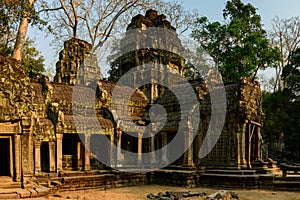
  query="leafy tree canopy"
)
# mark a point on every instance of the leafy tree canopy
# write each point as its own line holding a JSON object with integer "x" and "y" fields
{"x": 32, "y": 61}
{"x": 291, "y": 74}
{"x": 240, "y": 46}
{"x": 282, "y": 108}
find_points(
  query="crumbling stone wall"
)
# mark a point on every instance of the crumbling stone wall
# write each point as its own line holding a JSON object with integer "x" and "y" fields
{"x": 77, "y": 64}
{"x": 16, "y": 103}
{"x": 244, "y": 105}
{"x": 15, "y": 90}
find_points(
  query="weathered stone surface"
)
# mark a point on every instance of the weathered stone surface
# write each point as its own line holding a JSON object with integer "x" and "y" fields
{"x": 77, "y": 65}
{"x": 158, "y": 45}
{"x": 15, "y": 90}
{"x": 222, "y": 195}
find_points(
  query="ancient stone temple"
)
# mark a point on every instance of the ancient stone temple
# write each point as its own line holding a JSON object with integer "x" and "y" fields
{"x": 239, "y": 143}
{"x": 79, "y": 123}
{"x": 16, "y": 105}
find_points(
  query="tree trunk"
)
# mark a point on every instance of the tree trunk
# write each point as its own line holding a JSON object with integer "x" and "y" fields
{"x": 21, "y": 34}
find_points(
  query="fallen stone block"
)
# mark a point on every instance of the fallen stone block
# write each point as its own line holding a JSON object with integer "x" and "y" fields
{"x": 222, "y": 195}
{"x": 24, "y": 193}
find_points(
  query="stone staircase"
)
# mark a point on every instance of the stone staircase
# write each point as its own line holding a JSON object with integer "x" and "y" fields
{"x": 8, "y": 188}
{"x": 230, "y": 172}
{"x": 289, "y": 183}
{"x": 99, "y": 179}
{"x": 235, "y": 178}
{"x": 13, "y": 190}
{"x": 7, "y": 183}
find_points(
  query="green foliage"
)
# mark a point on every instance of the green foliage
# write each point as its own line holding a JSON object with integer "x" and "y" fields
{"x": 291, "y": 74}
{"x": 282, "y": 108}
{"x": 11, "y": 13}
{"x": 32, "y": 61}
{"x": 282, "y": 115}
{"x": 113, "y": 73}
{"x": 275, "y": 114}
{"x": 239, "y": 47}
{"x": 112, "y": 59}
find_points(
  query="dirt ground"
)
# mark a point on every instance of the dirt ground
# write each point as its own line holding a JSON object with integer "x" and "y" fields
{"x": 140, "y": 193}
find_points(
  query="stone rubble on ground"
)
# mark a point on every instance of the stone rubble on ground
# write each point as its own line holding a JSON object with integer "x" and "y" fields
{"x": 168, "y": 195}
{"x": 223, "y": 195}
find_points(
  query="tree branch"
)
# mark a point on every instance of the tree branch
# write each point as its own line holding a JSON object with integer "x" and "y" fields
{"x": 50, "y": 9}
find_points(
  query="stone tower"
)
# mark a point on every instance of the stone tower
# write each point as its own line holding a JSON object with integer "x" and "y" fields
{"x": 150, "y": 40}
{"x": 77, "y": 65}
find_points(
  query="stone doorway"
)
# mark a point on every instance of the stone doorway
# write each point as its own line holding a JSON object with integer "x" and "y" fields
{"x": 5, "y": 157}
{"x": 99, "y": 150}
{"x": 73, "y": 152}
{"x": 45, "y": 160}
{"x": 253, "y": 143}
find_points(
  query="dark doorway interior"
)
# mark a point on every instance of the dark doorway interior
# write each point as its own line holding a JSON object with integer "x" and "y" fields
{"x": 4, "y": 157}
{"x": 45, "y": 157}
{"x": 99, "y": 148}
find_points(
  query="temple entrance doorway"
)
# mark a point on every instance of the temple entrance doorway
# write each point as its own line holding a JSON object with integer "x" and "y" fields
{"x": 99, "y": 150}
{"x": 45, "y": 161}
{"x": 5, "y": 157}
{"x": 253, "y": 142}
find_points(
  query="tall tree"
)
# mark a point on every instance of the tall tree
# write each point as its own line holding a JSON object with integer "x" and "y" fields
{"x": 286, "y": 36}
{"x": 93, "y": 21}
{"x": 282, "y": 107}
{"x": 15, "y": 17}
{"x": 22, "y": 30}
{"x": 10, "y": 15}
{"x": 240, "y": 46}
{"x": 291, "y": 74}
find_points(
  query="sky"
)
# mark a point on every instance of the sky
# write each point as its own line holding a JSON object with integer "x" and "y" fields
{"x": 212, "y": 9}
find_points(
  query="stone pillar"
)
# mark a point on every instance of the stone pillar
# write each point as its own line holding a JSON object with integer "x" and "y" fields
{"x": 119, "y": 133}
{"x": 152, "y": 133}
{"x": 87, "y": 165}
{"x": 112, "y": 160}
{"x": 17, "y": 141}
{"x": 140, "y": 153}
{"x": 52, "y": 164}
{"x": 31, "y": 153}
{"x": 249, "y": 149}
{"x": 258, "y": 156}
{"x": 59, "y": 138}
{"x": 188, "y": 144}
{"x": 153, "y": 157}
{"x": 78, "y": 155}
{"x": 188, "y": 154}
{"x": 27, "y": 148}
{"x": 37, "y": 159}
{"x": 164, "y": 157}
{"x": 242, "y": 145}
